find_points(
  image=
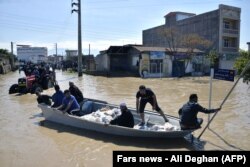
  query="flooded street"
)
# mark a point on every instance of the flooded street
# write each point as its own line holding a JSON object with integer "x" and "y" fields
{"x": 27, "y": 140}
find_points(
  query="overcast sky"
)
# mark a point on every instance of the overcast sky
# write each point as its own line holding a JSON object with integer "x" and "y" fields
{"x": 104, "y": 22}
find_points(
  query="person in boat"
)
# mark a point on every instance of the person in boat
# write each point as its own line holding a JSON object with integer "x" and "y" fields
{"x": 75, "y": 91}
{"x": 126, "y": 119}
{"x": 69, "y": 103}
{"x": 57, "y": 97}
{"x": 188, "y": 113}
{"x": 43, "y": 98}
{"x": 144, "y": 96}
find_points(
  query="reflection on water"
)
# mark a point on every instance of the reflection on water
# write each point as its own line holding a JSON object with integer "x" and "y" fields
{"x": 27, "y": 140}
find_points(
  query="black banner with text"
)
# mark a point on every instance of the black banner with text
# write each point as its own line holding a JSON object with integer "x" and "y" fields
{"x": 181, "y": 158}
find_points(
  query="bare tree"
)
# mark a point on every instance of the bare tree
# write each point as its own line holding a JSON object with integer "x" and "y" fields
{"x": 188, "y": 43}
{"x": 192, "y": 42}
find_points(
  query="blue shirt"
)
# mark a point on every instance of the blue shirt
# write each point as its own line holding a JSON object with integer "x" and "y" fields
{"x": 74, "y": 105}
{"x": 57, "y": 98}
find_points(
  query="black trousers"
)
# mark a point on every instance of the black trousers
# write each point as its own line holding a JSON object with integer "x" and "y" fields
{"x": 196, "y": 126}
{"x": 143, "y": 103}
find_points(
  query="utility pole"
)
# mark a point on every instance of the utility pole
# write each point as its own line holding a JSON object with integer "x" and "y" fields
{"x": 89, "y": 49}
{"x": 55, "y": 58}
{"x": 12, "y": 57}
{"x": 56, "y": 48}
{"x": 79, "y": 35}
{"x": 89, "y": 59}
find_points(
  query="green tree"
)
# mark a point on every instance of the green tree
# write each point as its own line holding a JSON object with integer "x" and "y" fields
{"x": 213, "y": 58}
{"x": 240, "y": 64}
{"x": 5, "y": 53}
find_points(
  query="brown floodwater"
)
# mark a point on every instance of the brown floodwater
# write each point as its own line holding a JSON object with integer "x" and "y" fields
{"x": 27, "y": 140}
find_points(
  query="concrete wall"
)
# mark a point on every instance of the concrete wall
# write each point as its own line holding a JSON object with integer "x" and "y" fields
{"x": 189, "y": 67}
{"x": 226, "y": 64}
{"x": 167, "y": 66}
{"x": 205, "y": 25}
{"x": 102, "y": 62}
{"x": 208, "y": 25}
{"x": 5, "y": 69}
{"x": 5, "y": 66}
{"x": 134, "y": 59}
{"x": 152, "y": 37}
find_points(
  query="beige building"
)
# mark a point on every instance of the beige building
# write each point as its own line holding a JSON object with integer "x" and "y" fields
{"x": 220, "y": 26}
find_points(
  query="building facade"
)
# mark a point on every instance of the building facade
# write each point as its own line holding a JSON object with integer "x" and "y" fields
{"x": 150, "y": 62}
{"x": 55, "y": 59}
{"x": 221, "y": 27}
{"x": 71, "y": 53}
{"x": 32, "y": 54}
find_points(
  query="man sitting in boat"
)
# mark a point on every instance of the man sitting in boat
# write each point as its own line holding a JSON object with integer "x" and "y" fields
{"x": 43, "y": 98}
{"x": 69, "y": 103}
{"x": 126, "y": 119}
{"x": 57, "y": 97}
{"x": 144, "y": 96}
{"x": 75, "y": 91}
{"x": 188, "y": 113}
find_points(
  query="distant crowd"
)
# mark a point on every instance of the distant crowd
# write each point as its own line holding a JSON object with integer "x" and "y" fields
{"x": 42, "y": 74}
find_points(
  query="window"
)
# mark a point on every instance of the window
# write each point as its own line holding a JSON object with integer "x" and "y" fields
{"x": 229, "y": 42}
{"x": 197, "y": 67}
{"x": 156, "y": 66}
{"x": 233, "y": 42}
{"x": 226, "y": 43}
{"x": 226, "y": 24}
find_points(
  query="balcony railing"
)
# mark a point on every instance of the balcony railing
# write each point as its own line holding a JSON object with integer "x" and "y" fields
{"x": 230, "y": 31}
{"x": 231, "y": 49}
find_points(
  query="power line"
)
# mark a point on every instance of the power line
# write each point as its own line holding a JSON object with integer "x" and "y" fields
{"x": 22, "y": 19}
{"x": 40, "y": 28}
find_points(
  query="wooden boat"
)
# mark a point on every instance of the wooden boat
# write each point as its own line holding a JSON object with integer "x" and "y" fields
{"x": 152, "y": 118}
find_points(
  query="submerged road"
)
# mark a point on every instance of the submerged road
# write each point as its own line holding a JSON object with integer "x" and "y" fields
{"x": 27, "y": 140}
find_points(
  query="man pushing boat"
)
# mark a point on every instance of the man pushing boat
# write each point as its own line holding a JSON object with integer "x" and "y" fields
{"x": 188, "y": 113}
{"x": 144, "y": 96}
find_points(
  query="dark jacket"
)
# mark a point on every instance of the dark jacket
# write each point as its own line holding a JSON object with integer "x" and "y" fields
{"x": 188, "y": 113}
{"x": 75, "y": 91}
{"x": 44, "y": 99}
{"x": 126, "y": 119}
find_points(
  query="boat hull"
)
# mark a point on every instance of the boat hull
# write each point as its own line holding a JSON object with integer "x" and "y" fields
{"x": 75, "y": 121}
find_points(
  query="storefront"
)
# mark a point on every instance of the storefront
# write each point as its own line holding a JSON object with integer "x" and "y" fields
{"x": 155, "y": 64}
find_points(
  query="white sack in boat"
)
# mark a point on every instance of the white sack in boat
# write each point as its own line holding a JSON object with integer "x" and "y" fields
{"x": 166, "y": 127}
{"x": 103, "y": 116}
